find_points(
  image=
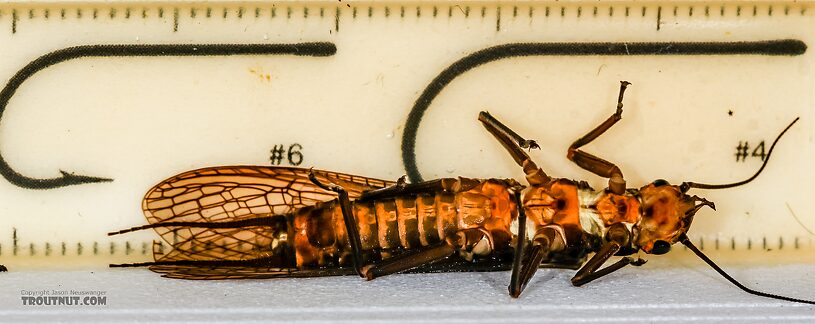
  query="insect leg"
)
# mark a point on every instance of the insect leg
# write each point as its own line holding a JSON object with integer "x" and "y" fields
{"x": 514, "y": 281}
{"x": 515, "y": 144}
{"x": 401, "y": 189}
{"x": 548, "y": 239}
{"x": 619, "y": 236}
{"x": 409, "y": 260}
{"x": 350, "y": 223}
{"x": 594, "y": 164}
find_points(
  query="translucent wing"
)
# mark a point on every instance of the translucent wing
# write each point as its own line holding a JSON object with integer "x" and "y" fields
{"x": 249, "y": 201}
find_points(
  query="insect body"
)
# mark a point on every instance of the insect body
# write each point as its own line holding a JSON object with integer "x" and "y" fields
{"x": 268, "y": 222}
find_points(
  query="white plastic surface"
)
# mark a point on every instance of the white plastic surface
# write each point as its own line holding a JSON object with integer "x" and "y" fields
{"x": 677, "y": 294}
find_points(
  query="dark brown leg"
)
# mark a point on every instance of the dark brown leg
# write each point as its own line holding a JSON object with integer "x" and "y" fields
{"x": 401, "y": 189}
{"x": 548, "y": 240}
{"x": 350, "y": 222}
{"x": 594, "y": 164}
{"x": 515, "y": 145}
{"x": 408, "y": 260}
{"x": 619, "y": 236}
{"x": 514, "y": 281}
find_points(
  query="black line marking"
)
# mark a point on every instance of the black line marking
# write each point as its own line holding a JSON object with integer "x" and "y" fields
{"x": 780, "y": 242}
{"x": 209, "y": 12}
{"x": 690, "y": 11}
{"x": 64, "y": 248}
{"x": 31, "y": 250}
{"x": 112, "y": 248}
{"x": 144, "y": 248}
{"x": 47, "y": 249}
{"x": 79, "y": 13}
{"x": 418, "y": 12}
{"x": 483, "y": 12}
{"x": 562, "y": 11}
{"x": 514, "y": 11}
{"x": 770, "y": 11}
{"x": 402, "y": 12}
{"x": 435, "y": 11}
{"x": 702, "y": 243}
{"x": 127, "y": 13}
{"x": 127, "y": 248}
{"x": 755, "y": 10}
{"x": 95, "y": 13}
{"x": 144, "y": 13}
{"x": 30, "y": 14}
{"x": 733, "y": 243}
{"x": 738, "y": 11}
{"x": 257, "y": 12}
{"x": 354, "y": 13}
{"x": 643, "y": 11}
{"x": 322, "y": 12}
{"x": 707, "y": 11}
{"x": 14, "y": 21}
{"x": 784, "y": 47}
{"x": 193, "y": 13}
{"x": 95, "y": 248}
{"x": 579, "y": 11}
{"x": 320, "y": 49}
{"x": 112, "y": 13}
{"x": 717, "y": 243}
{"x": 240, "y": 12}
{"x": 721, "y": 11}
{"x": 62, "y": 14}
{"x": 288, "y": 12}
{"x": 79, "y": 248}
{"x": 467, "y": 12}
{"x": 223, "y": 16}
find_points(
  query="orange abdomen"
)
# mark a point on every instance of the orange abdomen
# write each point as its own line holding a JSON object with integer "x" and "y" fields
{"x": 402, "y": 223}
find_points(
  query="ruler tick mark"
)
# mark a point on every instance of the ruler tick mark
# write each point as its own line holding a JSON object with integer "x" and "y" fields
{"x": 336, "y": 19}
{"x": 643, "y": 11}
{"x": 562, "y": 11}
{"x": 418, "y": 12}
{"x": 770, "y": 11}
{"x": 435, "y": 11}
{"x": 161, "y": 12}
{"x": 193, "y": 13}
{"x": 786, "y": 11}
{"x": 209, "y": 12}
{"x": 64, "y": 248}
{"x": 611, "y": 11}
{"x": 498, "y": 19}
{"x": 240, "y": 12}
{"x": 659, "y": 17}
{"x": 738, "y": 11}
{"x": 721, "y": 11}
{"x": 579, "y": 11}
{"x": 305, "y": 12}
{"x": 62, "y": 13}
{"x": 483, "y": 12}
{"x": 47, "y": 249}
{"x": 144, "y": 13}
{"x": 370, "y": 12}
{"x": 274, "y": 12}
{"x": 112, "y": 248}
{"x": 322, "y": 12}
{"x": 707, "y": 11}
{"x": 514, "y": 11}
{"x": 30, "y": 14}
{"x": 46, "y": 13}
{"x": 224, "y": 14}
{"x": 467, "y": 12}
{"x": 594, "y": 11}
{"x": 175, "y": 20}
{"x": 675, "y": 9}
{"x": 127, "y": 13}
{"x": 690, "y": 11}
{"x": 14, "y": 23}
{"x": 95, "y": 13}
{"x": 14, "y": 241}
{"x": 755, "y": 10}
{"x": 31, "y": 250}
{"x": 112, "y": 13}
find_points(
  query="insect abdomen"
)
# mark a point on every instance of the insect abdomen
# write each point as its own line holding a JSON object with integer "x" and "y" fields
{"x": 401, "y": 223}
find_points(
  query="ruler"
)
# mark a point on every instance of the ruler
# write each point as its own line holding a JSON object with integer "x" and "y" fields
{"x": 103, "y": 100}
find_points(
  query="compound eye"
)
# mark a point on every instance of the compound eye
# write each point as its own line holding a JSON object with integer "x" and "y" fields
{"x": 661, "y": 247}
{"x": 660, "y": 183}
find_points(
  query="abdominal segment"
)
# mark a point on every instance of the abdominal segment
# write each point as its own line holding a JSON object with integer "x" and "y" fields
{"x": 388, "y": 227}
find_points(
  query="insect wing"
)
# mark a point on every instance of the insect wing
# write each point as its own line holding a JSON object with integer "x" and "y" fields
{"x": 233, "y": 194}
